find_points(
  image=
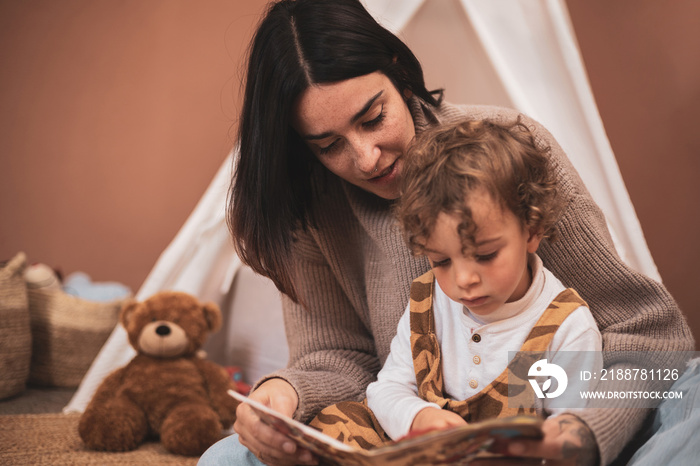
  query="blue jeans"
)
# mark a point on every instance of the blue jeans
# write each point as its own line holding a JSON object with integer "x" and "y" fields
{"x": 229, "y": 452}
{"x": 675, "y": 427}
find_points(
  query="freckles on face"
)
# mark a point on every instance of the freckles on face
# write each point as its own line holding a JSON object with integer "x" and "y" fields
{"x": 359, "y": 129}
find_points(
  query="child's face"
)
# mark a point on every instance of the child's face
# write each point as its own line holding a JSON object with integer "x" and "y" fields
{"x": 492, "y": 273}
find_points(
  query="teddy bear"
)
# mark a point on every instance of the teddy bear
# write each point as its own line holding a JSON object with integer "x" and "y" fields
{"x": 167, "y": 390}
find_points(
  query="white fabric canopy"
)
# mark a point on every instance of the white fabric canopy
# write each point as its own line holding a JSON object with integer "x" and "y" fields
{"x": 528, "y": 44}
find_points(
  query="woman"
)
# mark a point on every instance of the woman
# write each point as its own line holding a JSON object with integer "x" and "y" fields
{"x": 332, "y": 101}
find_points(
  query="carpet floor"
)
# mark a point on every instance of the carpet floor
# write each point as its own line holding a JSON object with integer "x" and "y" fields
{"x": 52, "y": 439}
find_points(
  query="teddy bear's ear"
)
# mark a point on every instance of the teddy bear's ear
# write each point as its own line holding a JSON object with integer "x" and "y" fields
{"x": 213, "y": 315}
{"x": 128, "y": 308}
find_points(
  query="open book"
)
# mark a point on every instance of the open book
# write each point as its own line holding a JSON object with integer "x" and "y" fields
{"x": 457, "y": 445}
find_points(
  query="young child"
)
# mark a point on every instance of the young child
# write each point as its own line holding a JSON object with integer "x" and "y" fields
{"x": 477, "y": 199}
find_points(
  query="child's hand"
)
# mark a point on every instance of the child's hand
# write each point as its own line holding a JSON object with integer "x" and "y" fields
{"x": 435, "y": 419}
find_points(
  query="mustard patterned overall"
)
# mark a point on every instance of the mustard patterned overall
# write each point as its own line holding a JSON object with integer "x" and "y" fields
{"x": 354, "y": 423}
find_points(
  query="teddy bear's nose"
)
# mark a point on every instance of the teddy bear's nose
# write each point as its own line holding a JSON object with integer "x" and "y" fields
{"x": 163, "y": 330}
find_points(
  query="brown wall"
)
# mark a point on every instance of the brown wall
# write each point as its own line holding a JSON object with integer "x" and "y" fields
{"x": 116, "y": 115}
{"x": 642, "y": 61}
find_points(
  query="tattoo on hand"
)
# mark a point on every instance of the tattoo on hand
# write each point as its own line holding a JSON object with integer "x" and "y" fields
{"x": 582, "y": 447}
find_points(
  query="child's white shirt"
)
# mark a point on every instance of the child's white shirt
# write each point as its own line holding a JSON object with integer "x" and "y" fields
{"x": 469, "y": 366}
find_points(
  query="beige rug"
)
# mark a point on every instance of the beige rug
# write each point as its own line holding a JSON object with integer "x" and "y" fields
{"x": 52, "y": 439}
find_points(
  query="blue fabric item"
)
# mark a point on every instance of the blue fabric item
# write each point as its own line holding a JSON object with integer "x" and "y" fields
{"x": 79, "y": 284}
{"x": 229, "y": 452}
{"x": 674, "y": 439}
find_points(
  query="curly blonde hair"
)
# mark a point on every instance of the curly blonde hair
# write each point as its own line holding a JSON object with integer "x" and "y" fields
{"x": 449, "y": 162}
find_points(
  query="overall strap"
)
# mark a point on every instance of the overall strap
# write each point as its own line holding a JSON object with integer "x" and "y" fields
{"x": 425, "y": 348}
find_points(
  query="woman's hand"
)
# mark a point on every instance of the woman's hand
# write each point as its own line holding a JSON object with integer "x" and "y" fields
{"x": 567, "y": 441}
{"x": 435, "y": 419}
{"x": 270, "y": 446}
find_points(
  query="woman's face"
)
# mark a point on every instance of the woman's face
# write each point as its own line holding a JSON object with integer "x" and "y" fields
{"x": 358, "y": 129}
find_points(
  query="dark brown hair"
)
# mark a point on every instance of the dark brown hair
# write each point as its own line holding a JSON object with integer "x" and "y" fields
{"x": 297, "y": 44}
{"x": 447, "y": 163}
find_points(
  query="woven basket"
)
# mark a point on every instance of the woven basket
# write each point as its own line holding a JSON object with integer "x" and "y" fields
{"x": 15, "y": 336}
{"x": 67, "y": 334}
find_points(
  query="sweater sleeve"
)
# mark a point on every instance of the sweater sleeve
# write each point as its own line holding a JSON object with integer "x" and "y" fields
{"x": 332, "y": 356}
{"x": 633, "y": 312}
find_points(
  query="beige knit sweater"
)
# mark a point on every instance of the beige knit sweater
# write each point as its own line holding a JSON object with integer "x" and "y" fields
{"x": 354, "y": 273}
